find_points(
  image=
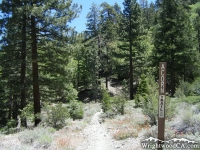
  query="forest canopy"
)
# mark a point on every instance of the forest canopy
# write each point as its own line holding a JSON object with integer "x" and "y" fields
{"x": 43, "y": 59}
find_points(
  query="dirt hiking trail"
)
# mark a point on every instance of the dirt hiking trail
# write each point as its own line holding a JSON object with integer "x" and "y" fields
{"x": 96, "y": 136}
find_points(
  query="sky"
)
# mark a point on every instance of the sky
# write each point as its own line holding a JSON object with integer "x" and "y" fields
{"x": 79, "y": 23}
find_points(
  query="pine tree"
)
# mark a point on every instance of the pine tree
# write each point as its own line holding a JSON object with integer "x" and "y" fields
{"x": 130, "y": 31}
{"x": 195, "y": 16}
{"x": 93, "y": 20}
{"x": 110, "y": 26}
{"x": 93, "y": 45}
{"x": 41, "y": 27}
{"x": 173, "y": 42}
{"x": 54, "y": 37}
{"x": 13, "y": 57}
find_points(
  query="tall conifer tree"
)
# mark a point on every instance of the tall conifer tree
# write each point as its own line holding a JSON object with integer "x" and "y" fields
{"x": 40, "y": 26}
{"x": 173, "y": 42}
{"x": 130, "y": 32}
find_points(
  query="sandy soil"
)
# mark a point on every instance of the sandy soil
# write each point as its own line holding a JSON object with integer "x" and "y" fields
{"x": 98, "y": 137}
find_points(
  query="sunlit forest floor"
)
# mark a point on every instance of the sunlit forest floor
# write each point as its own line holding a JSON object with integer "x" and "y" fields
{"x": 123, "y": 132}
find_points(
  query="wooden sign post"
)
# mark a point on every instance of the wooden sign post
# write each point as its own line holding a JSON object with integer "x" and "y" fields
{"x": 161, "y": 102}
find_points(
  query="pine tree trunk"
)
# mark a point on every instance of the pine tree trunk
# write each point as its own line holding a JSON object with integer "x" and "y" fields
{"x": 106, "y": 81}
{"x": 106, "y": 67}
{"x": 36, "y": 93}
{"x": 99, "y": 55}
{"x": 172, "y": 83}
{"x": 23, "y": 68}
{"x": 131, "y": 73}
{"x": 15, "y": 107}
{"x": 199, "y": 39}
{"x": 10, "y": 105}
{"x": 131, "y": 63}
{"x": 78, "y": 76}
{"x": 172, "y": 74}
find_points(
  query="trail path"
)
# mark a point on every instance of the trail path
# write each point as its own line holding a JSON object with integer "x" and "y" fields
{"x": 96, "y": 136}
{"x": 113, "y": 89}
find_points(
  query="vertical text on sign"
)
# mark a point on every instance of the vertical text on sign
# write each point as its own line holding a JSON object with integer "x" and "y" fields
{"x": 162, "y": 79}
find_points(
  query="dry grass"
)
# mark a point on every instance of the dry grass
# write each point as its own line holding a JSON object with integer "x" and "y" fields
{"x": 63, "y": 143}
{"x": 125, "y": 133}
{"x": 129, "y": 125}
{"x": 126, "y": 128}
{"x": 67, "y": 142}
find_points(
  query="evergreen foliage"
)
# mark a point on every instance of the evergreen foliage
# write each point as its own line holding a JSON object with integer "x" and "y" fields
{"x": 149, "y": 102}
{"x": 106, "y": 101}
{"x": 35, "y": 52}
{"x": 55, "y": 115}
{"x": 142, "y": 90}
{"x": 130, "y": 29}
{"x": 43, "y": 59}
{"x": 76, "y": 110}
{"x": 118, "y": 105}
{"x": 173, "y": 42}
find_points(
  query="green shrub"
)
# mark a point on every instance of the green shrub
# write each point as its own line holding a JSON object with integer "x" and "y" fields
{"x": 184, "y": 89}
{"x": 76, "y": 110}
{"x": 149, "y": 103}
{"x": 179, "y": 93}
{"x": 170, "y": 109}
{"x": 117, "y": 105}
{"x": 142, "y": 90}
{"x": 10, "y": 127}
{"x": 195, "y": 87}
{"x": 55, "y": 116}
{"x": 112, "y": 106}
{"x": 125, "y": 90}
{"x": 106, "y": 104}
{"x": 28, "y": 112}
{"x": 150, "y": 109}
{"x": 190, "y": 99}
{"x": 71, "y": 93}
{"x": 11, "y": 123}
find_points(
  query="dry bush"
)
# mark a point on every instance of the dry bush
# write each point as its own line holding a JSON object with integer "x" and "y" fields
{"x": 91, "y": 108}
{"x": 153, "y": 132}
{"x": 186, "y": 124}
{"x": 76, "y": 126}
{"x": 129, "y": 125}
{"x": 125, "y": 133}
{"x": 64, "y": 143}
{"x": 38, "y": 137}
{"x": 187, "y": 119}
{"x": 67, "y": 139}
